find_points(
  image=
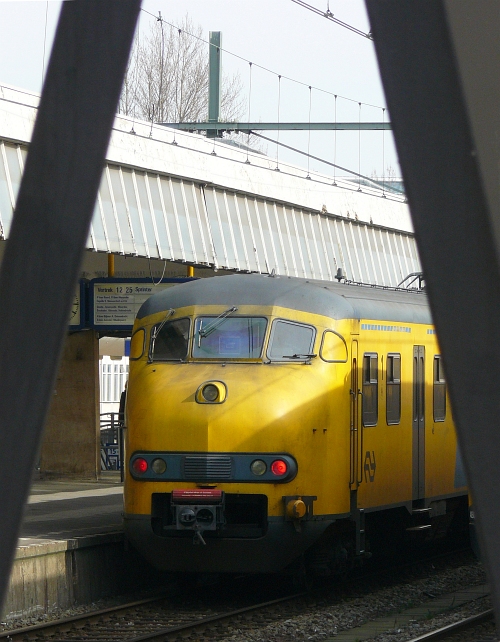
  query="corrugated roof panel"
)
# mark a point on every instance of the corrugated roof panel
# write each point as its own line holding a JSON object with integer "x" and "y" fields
{"x": 6, "y": 208}
{"x": 155, "y": 215}
{"x": 229, "y": 227}
{"x": 122, "y": 210}
{"x": 134, "y": 218}
{"x": 108, "y": 208}
{"x": 259, "y": 247}
{"x": 241, "y": 204}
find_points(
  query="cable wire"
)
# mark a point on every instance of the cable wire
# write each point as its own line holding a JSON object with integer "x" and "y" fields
{"x": 309, "y": 135}
{"x": 329, "y": 16}
{"x": 44, "y": 42}
{"x": 322, "y": 160}
{"x": 335, "y": 144}
{"x": 230, "y": 53}
{"x": 278, "y": 141}
{"x": 249, "y": 109}
{"x": 359, "y": 149}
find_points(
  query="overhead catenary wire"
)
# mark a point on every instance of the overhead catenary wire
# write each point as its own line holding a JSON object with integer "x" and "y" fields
{"x": 230, "y": 53}
{"x": 359, "y": 148}
{"x": 329, "y": 16}
{"x": 309, "y": 135}
{"x": 321, "y": 160}
{"x": 278, "y": 136}
{"x": 335, "y": 143}
{"x": 44, "y": 42}
{"x": 249, "y": 108}
{"x": 279, "y": 77}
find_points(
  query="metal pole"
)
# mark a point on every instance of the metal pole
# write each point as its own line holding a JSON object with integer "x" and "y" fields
{"x": 214, "y": 81}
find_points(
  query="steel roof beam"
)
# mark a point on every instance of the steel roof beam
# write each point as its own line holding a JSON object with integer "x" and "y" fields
{"x": 50, "y": 226}
{"x": 246, "y": 128}
{"x": 439, "y": 63}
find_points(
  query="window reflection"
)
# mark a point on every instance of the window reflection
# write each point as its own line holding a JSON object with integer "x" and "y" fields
{"x": 229, "y": 337}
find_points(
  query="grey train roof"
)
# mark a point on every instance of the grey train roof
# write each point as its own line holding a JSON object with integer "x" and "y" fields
{"x": 335, "y": 300}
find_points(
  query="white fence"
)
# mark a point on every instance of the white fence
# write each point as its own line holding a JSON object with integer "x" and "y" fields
{"x": 113, "y": 373}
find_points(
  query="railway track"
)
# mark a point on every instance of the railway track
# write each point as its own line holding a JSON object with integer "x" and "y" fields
{"x": 470, "y": 628}
{"x": 163, "y": 617}
{"x": 74, "y": 628}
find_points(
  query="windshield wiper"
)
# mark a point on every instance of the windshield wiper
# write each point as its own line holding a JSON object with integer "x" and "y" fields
{"x": 156, "y": 332}
{"x": 299, "y": 356}
{"x": 204, "y": 332}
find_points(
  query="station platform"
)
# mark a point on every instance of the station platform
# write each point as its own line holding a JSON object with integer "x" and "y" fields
{"x": 71, "y": 549}
{"x": 64, "y": 509}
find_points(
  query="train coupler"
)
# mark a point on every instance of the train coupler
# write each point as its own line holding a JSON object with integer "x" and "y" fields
{"x": 198, "y": 511}
{"x": 198, "y": 538}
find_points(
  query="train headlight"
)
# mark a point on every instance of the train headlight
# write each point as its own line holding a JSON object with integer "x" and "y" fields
{"x": 140, "y": 466}
{"x": 258, "y": 467}
{"x": 210, "y": 392}
{"x": 279, "y": 467}
{"x": 159, "y": 466}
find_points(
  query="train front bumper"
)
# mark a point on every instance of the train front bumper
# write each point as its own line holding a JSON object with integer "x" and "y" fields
{"x": 272, "y": 552}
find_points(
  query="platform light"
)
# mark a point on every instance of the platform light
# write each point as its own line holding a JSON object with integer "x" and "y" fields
{"x": 279, "y": 467}
{"x": 140, "y": 466}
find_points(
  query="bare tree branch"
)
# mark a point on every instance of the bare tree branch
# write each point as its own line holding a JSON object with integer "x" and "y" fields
{"x": 167, "y": 78}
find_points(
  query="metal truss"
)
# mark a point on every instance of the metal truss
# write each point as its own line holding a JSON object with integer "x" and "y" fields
{"x": 53, "y": 212}
{"x": 439, "y": 62}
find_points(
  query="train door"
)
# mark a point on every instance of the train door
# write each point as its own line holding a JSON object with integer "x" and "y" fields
{"x": 356, "y": 437}
{"x": 355, "y": 429}
{"x": 418, "y": 441}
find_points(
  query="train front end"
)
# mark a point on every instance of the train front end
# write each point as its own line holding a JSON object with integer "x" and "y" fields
{"x": 229, "y": 460}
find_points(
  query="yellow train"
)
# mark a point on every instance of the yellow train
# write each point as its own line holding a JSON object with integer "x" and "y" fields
{"x": 274, "y": 421}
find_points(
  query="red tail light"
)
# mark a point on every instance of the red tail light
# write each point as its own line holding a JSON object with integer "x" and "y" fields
{"x": 279, "y": 467}
{"x": 140, "y": 466}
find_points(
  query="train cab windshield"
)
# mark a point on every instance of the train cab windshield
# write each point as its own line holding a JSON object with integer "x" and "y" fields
{"x": 290, "y": 341}
{"x": 170, "y": 341}
{"x": 224, "y": 338}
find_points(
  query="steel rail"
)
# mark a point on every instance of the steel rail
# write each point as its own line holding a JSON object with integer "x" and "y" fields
{"x": 456, "y": 627}
{"x": 14, "y": 635}
{"x": 165, "y": 634}
{"x": 21, "y": 633}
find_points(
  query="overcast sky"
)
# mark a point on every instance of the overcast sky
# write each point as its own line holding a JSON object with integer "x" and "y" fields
{"x": 277, "y": 34}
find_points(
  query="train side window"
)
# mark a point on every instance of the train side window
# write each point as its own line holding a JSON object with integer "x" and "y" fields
{"x": 333, "y": 347}
{"x": 137, "y": 343}
{"x": 439, "y": 390}
{"x": 169, "y": 341}
{"x": 290, "y": 341}
{"x": 393, "y": 388}
{"x": 370, "y": 389}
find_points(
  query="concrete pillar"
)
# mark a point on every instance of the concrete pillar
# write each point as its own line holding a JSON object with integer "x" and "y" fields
{"x": 71, "y": 441}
